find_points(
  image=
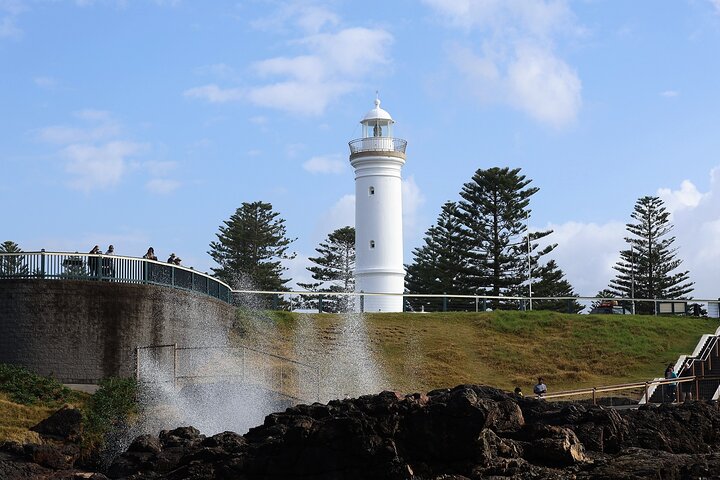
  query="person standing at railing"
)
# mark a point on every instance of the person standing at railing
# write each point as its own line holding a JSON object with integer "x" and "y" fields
{"x": 94, "y": 262}
{"x": 150, "y": 255}
{"x": 686, "y": 387}
{"x": 171, "y": 259}
{"x": 671, "y": 388}
{"x": 107, "y": 263}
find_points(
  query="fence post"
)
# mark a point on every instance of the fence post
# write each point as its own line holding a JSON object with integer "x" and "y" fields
{"x": 172, "y": 276}
{"x": 477, "y": 301}
{"x": 697, "y": 389}
{"x": 42, "y": 263}
{"x": 320, "y": 304}
{"x": 275, "y": 302}
{"x": 175, "y": 364}
{"x": 362, "y": 302}
{"x": 647, "y": 397}
{"x": 317, "y": 383}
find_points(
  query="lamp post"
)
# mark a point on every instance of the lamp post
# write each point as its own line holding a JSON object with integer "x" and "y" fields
{"x": 527, "y": 218}
{"x": 632, "y": 276}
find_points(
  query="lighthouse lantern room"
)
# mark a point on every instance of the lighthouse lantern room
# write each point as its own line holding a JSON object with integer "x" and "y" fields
{"x": 378, "y": 158}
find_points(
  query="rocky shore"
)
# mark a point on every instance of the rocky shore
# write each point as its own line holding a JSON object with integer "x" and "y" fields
{"x": 469, "y": 431}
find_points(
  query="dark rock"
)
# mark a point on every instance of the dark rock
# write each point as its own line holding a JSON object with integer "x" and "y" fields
{"x": 181, "y": 437}
{"x": 145, "y": 443}
{"x": 50, "y": 456}
{"x": 229, "y": 441}
{"x": 65, "y": 424}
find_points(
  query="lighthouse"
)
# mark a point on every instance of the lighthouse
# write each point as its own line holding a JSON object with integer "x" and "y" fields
{"x": 378, "y": 158}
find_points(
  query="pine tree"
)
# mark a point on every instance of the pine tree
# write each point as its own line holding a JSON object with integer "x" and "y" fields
{"x": 438, "y": 264}
{"x": 334, "y": 270}
{"x": 649, "y": 267}
{"x": 12, "y": 265}
{"x": 552, "y": 283}
{"x": 250, "y": 248}
{"x": 493, "y": 213}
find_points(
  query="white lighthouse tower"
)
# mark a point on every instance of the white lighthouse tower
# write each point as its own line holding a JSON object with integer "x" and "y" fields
{"x": 378, "y": 158}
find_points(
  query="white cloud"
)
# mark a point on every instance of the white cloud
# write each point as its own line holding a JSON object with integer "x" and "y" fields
{"x": 214, "y": 94}
{"x": 670, "y": 93}
{"x": 96, "y": 157}
{"x": 544, "y": 86}
{"x": 515, "y": 60}
{"x": 716, "y": 4}
{"x": 98, "y": 167}
{"x": 412, "y": 199}
{"x": 162, "y": 186}
{"x": 102, "y": 126}
{"x": 159, "y": 168}
{"x": 586, "y": 252}
{"x": 331, "y": 65}
{"x": 9, "y": 12}
{"x": 687, "y": 196}
{"x": 48, "y": 83}
{"x": 341, "y": 214}
{"x": 310, "y": 18}
{"x": 333, "y": 164}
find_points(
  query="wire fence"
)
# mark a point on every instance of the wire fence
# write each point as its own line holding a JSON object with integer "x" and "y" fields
{"x": 334, "y": 302}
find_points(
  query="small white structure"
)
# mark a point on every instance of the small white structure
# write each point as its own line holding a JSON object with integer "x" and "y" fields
{"x": 378, "y": 158}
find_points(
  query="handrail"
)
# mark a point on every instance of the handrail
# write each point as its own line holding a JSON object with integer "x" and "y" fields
{"x": 110, "y": 268}
{"x": 377, "y": 144}
{"x": 627, "y": 386}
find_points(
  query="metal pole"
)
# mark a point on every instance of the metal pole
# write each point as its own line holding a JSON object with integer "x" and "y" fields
{"x": 632, "y": 276}
{"x": 527, "y": 214}
{"x": 477, "y": 301}
{"x": 175, "y": 364}
{"x": 647, "y": 397}
{"x": 137, "y": 364}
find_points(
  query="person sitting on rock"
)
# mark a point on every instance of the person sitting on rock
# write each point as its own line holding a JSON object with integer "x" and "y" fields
{"x": 540, "y": 389}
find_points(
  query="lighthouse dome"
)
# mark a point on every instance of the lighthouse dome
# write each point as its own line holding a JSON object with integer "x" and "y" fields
{"x": 377, "y": 113}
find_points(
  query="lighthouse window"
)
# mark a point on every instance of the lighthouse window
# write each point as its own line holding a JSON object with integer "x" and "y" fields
{"x": 372, "y": 244}
{"x": 371, "y": 191}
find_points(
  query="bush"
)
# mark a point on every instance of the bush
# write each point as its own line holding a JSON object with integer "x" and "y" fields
{"x": 28, "y": 388}
{"x": 110, "y": 407}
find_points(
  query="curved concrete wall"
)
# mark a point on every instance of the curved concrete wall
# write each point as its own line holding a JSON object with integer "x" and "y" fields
{"x": 83, "y": 331}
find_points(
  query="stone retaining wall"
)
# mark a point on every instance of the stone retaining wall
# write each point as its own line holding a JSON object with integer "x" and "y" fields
{"x": 82, "y": 331}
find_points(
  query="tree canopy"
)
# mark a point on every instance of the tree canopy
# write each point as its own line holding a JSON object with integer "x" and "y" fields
{"x": 250, "y": 248}
{"x": 649, "y": 268}
{"x": 334, "y": 270}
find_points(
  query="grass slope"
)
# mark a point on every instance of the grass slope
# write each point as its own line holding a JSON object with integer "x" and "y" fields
{"x": 419, "y": 352}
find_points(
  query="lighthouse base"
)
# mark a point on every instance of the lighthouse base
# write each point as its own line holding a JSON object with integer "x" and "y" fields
{"x": 375, "y": 288}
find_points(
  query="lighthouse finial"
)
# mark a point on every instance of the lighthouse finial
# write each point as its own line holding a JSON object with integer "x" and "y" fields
{"x": 377, "y": 98}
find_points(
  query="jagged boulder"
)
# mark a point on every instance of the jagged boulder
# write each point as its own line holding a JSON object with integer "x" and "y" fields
{"x": 65, "y": 424}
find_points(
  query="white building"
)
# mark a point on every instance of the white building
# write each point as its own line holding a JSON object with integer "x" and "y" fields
{"x": 378, "y": 158}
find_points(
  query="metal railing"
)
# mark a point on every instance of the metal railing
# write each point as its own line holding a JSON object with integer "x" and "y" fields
{"x": 377, "y": 144}
{"x": 441, "y": 302}
{"x": 646, "y": 387}
{"x": 109, "y": 268}
{"x": 290, "y": 378}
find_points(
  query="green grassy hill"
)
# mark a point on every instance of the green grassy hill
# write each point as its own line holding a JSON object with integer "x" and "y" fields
{"x": 419, "y": 352}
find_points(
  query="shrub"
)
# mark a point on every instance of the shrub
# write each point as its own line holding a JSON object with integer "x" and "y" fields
{"x": 109, "y": 408}
{"x": 28, "y": 388}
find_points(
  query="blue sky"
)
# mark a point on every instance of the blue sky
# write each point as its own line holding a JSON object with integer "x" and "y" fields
{"x": 145, "y": 123}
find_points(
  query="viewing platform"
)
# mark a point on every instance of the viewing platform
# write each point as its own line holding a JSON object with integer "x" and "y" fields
{"x": 372, "y": 145}
{"x": 109, "y": 268}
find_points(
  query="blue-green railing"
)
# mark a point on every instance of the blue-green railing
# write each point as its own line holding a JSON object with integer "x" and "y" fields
{"x": 109, "y": 268}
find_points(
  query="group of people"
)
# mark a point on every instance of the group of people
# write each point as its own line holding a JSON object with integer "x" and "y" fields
{"x": 540, "y": 389}
{"x": 172, "y": 259}
{"x": 671, "y": 393}
{"x": 106, "y": 266}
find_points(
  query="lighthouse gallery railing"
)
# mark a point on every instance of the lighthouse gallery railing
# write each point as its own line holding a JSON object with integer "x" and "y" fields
{"x": 109, "y": 268}
{"x": 377, "y": 144}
